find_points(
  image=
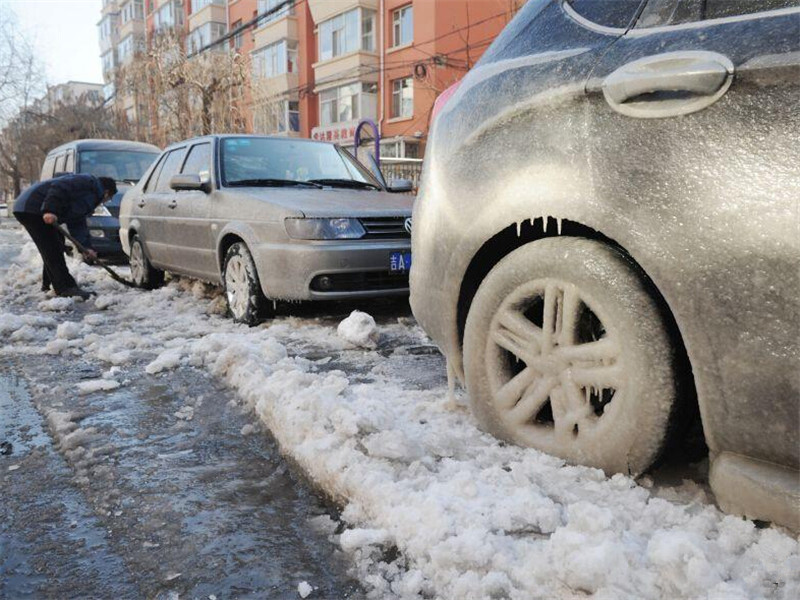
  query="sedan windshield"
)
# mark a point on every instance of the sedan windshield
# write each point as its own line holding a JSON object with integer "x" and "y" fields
{"x": 121, "y": 165}
{"x": 249, "y": 161}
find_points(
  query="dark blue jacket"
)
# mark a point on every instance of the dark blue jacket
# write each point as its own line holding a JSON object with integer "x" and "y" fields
{"x": 71, "y": 198}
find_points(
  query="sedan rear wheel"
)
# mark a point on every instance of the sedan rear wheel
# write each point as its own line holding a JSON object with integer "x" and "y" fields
{"x": 143, "y": 274}
{"x": 246, "y": 302}
{"x": 566, "y": 351}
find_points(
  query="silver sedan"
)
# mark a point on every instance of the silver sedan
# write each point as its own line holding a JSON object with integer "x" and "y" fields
{"x": 269, "y": 219}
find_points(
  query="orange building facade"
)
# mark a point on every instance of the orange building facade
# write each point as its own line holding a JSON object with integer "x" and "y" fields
{"x": 319, "y": 67}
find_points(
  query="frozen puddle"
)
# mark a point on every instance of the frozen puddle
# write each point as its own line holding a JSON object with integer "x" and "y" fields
{"x": 435, "y": 507}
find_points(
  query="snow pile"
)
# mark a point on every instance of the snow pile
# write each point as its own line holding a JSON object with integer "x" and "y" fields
{"x": 97, "y": 385}
{"x": 68, "y": 330}
{"x": 57, "y": 304}
{"x": 434, "y": 507}
{"x": 359, "y": 329}
{"x": 304, "y": 589}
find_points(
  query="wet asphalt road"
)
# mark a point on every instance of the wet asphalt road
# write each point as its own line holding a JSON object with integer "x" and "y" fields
{"x": 157, "y": 493}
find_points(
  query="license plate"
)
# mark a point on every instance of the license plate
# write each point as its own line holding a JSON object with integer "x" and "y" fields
{"x": 399, "y": 262}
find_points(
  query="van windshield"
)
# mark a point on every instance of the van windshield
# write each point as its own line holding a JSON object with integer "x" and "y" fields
{"x": 268, "y": 161}
{"x": 120, "y": 165}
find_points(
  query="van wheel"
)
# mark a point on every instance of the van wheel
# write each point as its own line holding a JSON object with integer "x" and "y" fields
{"x": 566, "y": 351}
{"x": 143, "y": 274}
{"x": 246, "y": 303}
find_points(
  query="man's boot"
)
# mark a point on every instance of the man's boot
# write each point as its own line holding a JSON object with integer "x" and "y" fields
{"x": 76, "y": 292}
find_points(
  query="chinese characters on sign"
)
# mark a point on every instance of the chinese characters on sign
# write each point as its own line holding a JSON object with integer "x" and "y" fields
{"x": 335, "y": 133}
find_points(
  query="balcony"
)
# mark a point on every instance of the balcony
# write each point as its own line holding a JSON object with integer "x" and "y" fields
{"x": 274, "y": 86}
{"x": 322, "y": 10}
{"x": 284, "y": 28}
{"x": 212, "y": 13}
{"x": 134, "y": 26}
{"x": 110, "y": 7}
{"x": 353, "y": 64}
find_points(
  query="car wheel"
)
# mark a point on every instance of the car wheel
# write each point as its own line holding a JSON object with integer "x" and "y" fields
{"x": 143, "y": 274}
{"x": 246, "y": 302}
{"x": 565, "y": 350}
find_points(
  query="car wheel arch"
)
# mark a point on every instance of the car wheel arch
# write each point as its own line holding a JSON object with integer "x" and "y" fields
{"x": 516, "y": 235}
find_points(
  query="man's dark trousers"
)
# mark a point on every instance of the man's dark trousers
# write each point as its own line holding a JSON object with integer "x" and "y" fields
{"x": 51, "y": 246}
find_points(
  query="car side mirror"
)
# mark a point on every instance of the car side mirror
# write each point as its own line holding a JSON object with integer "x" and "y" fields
{"x": 401, "y": 186}
{"x": 190, "y": 183}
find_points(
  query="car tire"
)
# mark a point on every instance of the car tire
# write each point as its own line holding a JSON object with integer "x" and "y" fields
{"x": 246, "y": 302}
{"x": 566, "y": 351}
{"x": 143, "y": 274}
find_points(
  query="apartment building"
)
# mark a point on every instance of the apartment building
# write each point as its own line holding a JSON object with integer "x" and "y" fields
{"x": 319, "y": 67}
{"x": 90, "y": 94}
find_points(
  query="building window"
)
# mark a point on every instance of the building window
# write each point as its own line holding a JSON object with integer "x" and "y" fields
{"x": 128, "y": 47}
{"x": 403, "y": 26}
{"x": 403, "y": 97}
{"x": 108, "y": 61}
{"x": 238, "y": 39}
{"x": 348, "y": 32}
{"x": 108, "y": 27}
{"x": 276, "y": 59}
{"x": 168, "y": 16}
{"x": 204, "y": 35}
{"x": 347, "y": 103}
{"x": 198, "y": 5}
{"x": 281, "y": 116}
{"x": 132, "y": 10}
{"x": 267, "y": 6}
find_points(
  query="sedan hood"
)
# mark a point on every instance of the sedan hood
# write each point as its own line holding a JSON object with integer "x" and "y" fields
{"x": 332, "y": 202}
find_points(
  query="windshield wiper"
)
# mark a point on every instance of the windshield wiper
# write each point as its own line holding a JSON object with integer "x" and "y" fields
{"x": 272, "y": 183}
{"x": 346, "y": 183}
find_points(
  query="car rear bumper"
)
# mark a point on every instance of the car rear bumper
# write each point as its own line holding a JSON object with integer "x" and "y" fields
{"x": 330, "y": 270}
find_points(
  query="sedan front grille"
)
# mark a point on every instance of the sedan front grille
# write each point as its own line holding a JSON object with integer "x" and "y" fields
{"x": 385, "y": 228}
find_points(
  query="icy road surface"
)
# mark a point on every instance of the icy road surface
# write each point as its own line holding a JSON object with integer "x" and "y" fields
{"x": 432, "y": 507}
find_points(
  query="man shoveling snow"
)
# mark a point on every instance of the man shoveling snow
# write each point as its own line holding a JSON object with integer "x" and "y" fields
{"x": 68, "y": 199}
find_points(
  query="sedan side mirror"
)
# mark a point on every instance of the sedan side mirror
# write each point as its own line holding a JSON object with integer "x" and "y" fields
{"x": 400, "y": 186}
{"x": 189, "y": 182}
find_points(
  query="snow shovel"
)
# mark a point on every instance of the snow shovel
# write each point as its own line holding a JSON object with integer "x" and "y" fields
{"x": 114, "y": 275}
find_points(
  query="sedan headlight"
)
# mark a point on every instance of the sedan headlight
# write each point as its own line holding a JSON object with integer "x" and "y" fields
{"x": 101, "y": 211}
{"x": 324, "y": 229}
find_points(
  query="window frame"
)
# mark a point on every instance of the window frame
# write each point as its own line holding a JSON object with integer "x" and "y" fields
{"x": 397, "y": 94}
{"x": 330, "y": 46}
{"x": 397, "y": 25}
{"x": 163, "y": 163}
{"x": 637, "y": 31}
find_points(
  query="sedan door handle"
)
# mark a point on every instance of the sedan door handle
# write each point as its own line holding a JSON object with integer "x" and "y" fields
{"x": 173, "y": 204}
{"x": 668, "y": 84}
{"x": 141, "y": 203}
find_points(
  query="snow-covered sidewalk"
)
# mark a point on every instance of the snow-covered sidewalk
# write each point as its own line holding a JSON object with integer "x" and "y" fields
{"x": 435, "y": 508}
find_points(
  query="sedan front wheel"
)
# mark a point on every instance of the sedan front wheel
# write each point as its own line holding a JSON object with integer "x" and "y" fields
{"x": 565, "y": 350}
{"x": 246, "y": 302}
{"x": 143, "y": 274}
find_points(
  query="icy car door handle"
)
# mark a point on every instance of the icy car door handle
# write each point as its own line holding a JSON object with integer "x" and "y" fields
{"x": 666, "y": 85}
{"x": 173, "y": 204}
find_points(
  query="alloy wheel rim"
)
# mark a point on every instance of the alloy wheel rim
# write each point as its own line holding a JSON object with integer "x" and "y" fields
{"x": 555, "y": 370}
{"x": 237, "y": 286}
{"x": 137, "y": 263}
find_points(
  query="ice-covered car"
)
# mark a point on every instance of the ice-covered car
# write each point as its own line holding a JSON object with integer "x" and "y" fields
{"x": 269, "y": 218}
{"x": 606, "y": 240}
{"x": 122, "y": 160}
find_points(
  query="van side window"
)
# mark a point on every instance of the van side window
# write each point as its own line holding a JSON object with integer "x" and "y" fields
{"x": 60, "y": 163}
{"x": 609, "y": 13}
{"x": 69, "y": 167}
{"x": 47, "y": 168}
{"x": 674, "y": 12}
